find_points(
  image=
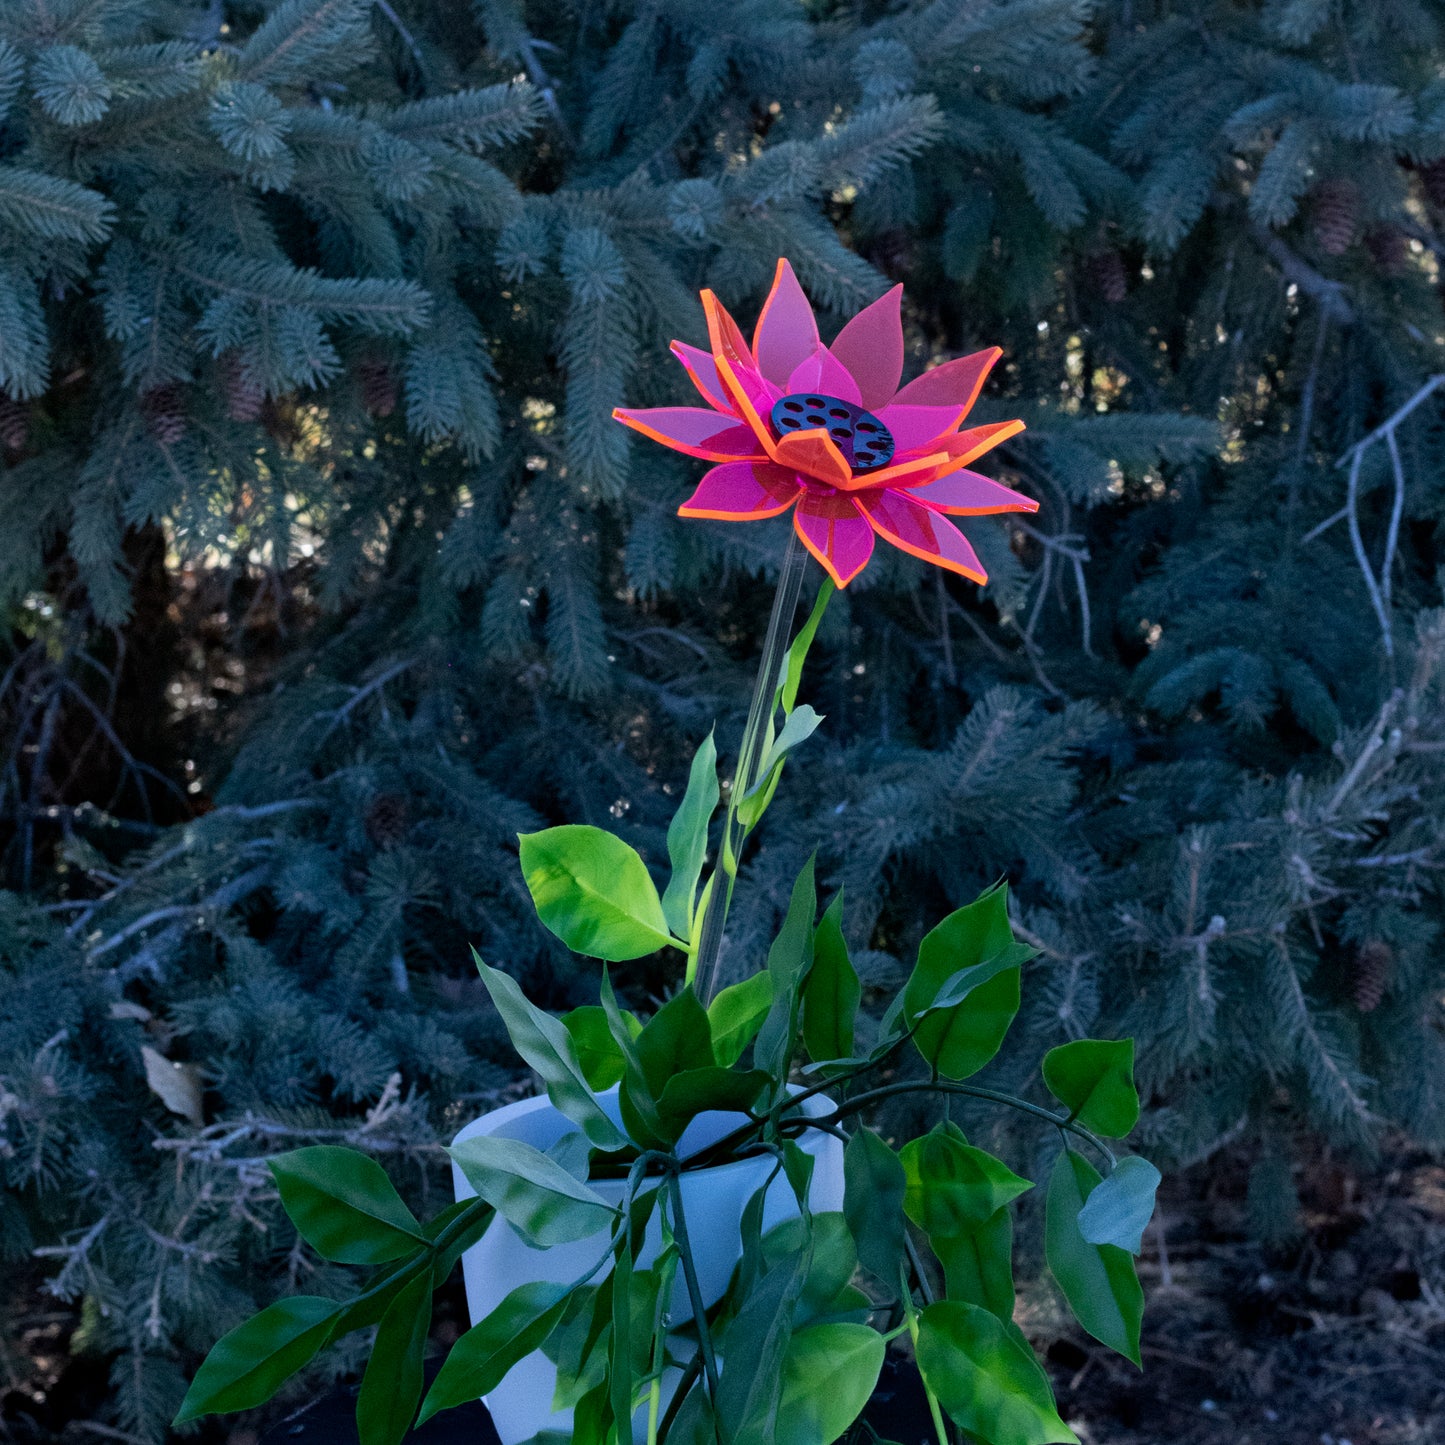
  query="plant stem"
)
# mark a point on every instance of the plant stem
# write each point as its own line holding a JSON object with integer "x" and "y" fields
{"x": 973, "y": 1091}
{"x": 694, "y": 1290}
{"x": 689, "y": 1379}
{"x": 775, "y": 646}
{"x": 910, "y": 1314}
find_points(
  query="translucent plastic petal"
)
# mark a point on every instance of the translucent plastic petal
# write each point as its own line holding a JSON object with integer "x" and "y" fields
{"x": 787, "y": 331}
{"x": 815, "y": 454}
{"x": 726, "y": 340}
{"x": 693, "y": 430}
{"x": 955, "y": 383}
{"x": 967, "y": 494}
{"x": 743, "y": 492}
{"x": 964, "y": 446}
{"x": 911, "y": 472}
{"x": 703, "y": 370}
{"x": 897, "y": 518}
{"x": 919, "y": 428}
{"x": 835, "y": 533}
{"x": 870, "y": 346}
{"x": 822, "y": 372}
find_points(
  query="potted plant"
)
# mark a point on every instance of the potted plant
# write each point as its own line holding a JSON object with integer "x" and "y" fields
{"x": 695, "y": 1236}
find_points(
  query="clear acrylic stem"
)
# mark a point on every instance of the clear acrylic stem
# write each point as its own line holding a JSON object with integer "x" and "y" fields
{"x": 775, "y": 648}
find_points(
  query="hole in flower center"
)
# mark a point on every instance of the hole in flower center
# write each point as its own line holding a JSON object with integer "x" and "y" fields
{"x": 865, "y": 442}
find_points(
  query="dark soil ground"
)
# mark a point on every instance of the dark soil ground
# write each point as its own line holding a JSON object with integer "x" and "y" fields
{"x": 1339, "y": 1340}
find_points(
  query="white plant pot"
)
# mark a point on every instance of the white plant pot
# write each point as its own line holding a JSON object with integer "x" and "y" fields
{"x": 713, "y": 1202}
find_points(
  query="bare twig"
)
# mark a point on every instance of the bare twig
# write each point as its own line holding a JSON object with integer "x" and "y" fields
{"x": 1357, "y": 541}
{"x": 1329, "y": 294}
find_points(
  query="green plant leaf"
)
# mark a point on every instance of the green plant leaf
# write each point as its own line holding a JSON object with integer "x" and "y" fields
{"x": 834, "y": 1258}
{"x": 798, "y": 726}
{"x": 798, "y": 650}
{"x": 446, "y": 1259}
{"x": 789, "y": 959}
{"x": 987, "y": 1381}
{"x": 482, "y": 1356}
{"x": 573, "y": 1346}
{"x": 695, "y": 1423}
{"x": 754, "y": 1349}
{"x": 831, "y": 991}
{"x": 1098, "y": 1280}
{"x": 677, "y": 1037}
{"x": 694, "y": 1091}
{"x": 620, "y": 1353}
{"x": 635, "y": 1098}
{"x": 736, "y": 1015}
{"x": 1094, "y": 1080}
{"x": 972, "y": 961}
{"x": 593, "y": 892}
{"x": 978, "y": 1265}
{"x": 829, "y": 1372}
{"x": 533, "y": 1192}
{"x": 247, "y": 1365}
{"x": 391, "y": 1386}
{"x": 1119, "y": 1209}
{"x": 954, "y": 1188}
{"x": 873, "y": 1188}
{"x": 687, "y": 839}
{"x": 598, "y": 1056}
{"x": 344, "y": 1206}
{"x": 545, "y": 1045}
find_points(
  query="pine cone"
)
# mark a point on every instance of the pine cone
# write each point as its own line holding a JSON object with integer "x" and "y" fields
{"x": 1105, "y": 273}
{"x": 1372, "y": 974}
{"x": 1336, "y": 214}
{"x": 1432, "y": 180}
{"x": 14, "y": 423}
{"x": 387, "y": 818}
{"x": 378, "y": 386}
{"x": 1389, "y": 249}
{"x": 243, "y": 397}
{"x": 164, "y": 410}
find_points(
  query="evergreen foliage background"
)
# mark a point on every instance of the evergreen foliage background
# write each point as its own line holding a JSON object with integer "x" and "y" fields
{"x": 326, "y": 570}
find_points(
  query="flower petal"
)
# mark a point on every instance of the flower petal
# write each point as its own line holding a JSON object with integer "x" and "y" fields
{"x": 723, "y": 334}
{"x": 955, "y": 383}
{"x": 965, "y": 446}
{"x": 821, "y": 371}
{"x": 871, "y": 347}
{"x": 897, "y": 518}
{"x": 743, "y": 492}
{"x": 700, "y": 366}
{"x": 919, "y": 428}
{"x": 967, "y": 494}
{"x": 816, "y": 454}
{"x": 911, "y": 472}
{"x": 833, "y": 531}
{"x": 786, "y": 331}
{"x": 693, "y": 430}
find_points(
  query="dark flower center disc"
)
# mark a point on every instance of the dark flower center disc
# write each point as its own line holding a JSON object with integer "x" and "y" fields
{"x": 864, "y": 441}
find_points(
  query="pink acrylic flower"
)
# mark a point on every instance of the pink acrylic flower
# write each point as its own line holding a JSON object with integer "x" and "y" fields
{"x": 826, "y": 430}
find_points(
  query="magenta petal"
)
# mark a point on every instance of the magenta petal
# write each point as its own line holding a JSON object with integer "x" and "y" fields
{"x": 914, "y": 427}
{"x": 693, "y": 430}
{"x": 955, "y": 383}
{"x": 703, "y": 370}
{"x": 822, "y": 372}
{"x": 835, "y": 533}
{"x": 967, "y": 492}
{"x": 871, "y": 347}
{"x": 743, "y": 492}
{"x": 787, "y": 331}
{"x": 898, "y": 519}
